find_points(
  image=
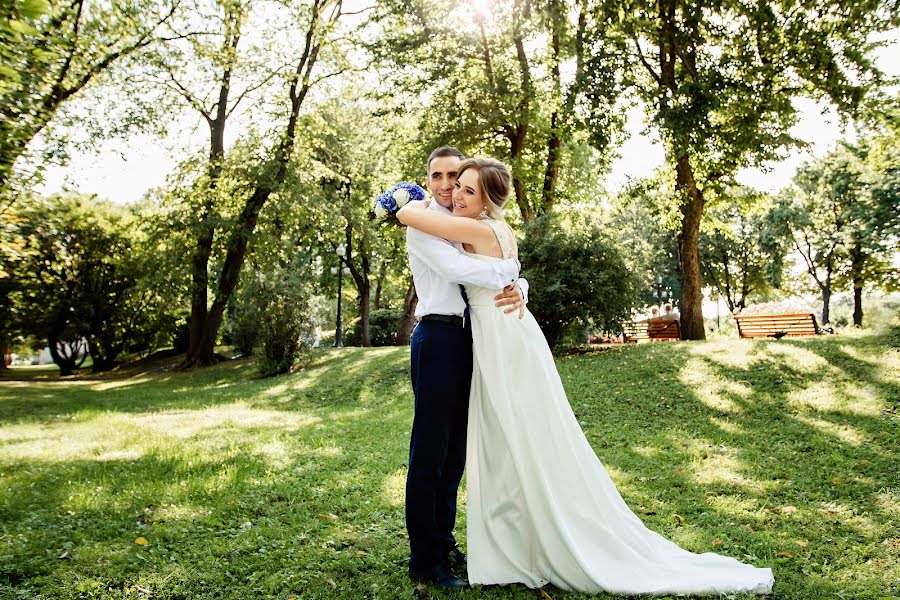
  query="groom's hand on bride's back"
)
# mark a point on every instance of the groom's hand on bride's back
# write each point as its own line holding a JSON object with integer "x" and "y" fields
{"x": 511, "y": 299}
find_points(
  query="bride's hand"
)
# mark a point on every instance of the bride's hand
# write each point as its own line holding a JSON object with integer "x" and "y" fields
{"x": 511, "y": 297}
{"x": 417, "y": 204}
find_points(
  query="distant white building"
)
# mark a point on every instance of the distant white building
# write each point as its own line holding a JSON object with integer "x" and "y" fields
{"x": 44, "y": 358}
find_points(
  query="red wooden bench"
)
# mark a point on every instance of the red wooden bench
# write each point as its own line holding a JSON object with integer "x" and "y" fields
{"x": 776, "y": 326}
{"x": 659, "y": 330}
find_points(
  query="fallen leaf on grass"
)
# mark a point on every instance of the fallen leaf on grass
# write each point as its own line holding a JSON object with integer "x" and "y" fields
{"x": 421, "y": 591}
{"x": 331, "y": 582}
{"x": 679, "y": 470}
{"x": 784, "y": 555}
{"x": 837, "y": 481}
{"x": 141, "y": 541}
{"x": 65, "y": 555}
{"x": 802, "y": 543}
{"x": 716, "y": 543}
{"x": 360, "y": 553}
{"x": 545, "y": 595}
{"x": 328, "y": 516}
{"x": 678, "y": 518}
{"x": 892, "y": 542}
{"x": 142, "y": 590}
{"x": 788, "y": 509}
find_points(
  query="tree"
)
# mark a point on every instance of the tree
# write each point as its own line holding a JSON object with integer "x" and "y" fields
{"x": 270, "y": 173}
{"x": 201, "y": 74}
{"x": 57, "y": 48}
{"x": 741, "y": 253}
{"x": 360, "y": 152}
{"x": 720, "y": 78}
{"x": 645, "y": 220}
{"x": 518, "y": 83}
{"x": 843, "y": 220}
{"x": 77, "y": 280}
{"x": 816, "y": 215}
{"x": 874, "y": 219}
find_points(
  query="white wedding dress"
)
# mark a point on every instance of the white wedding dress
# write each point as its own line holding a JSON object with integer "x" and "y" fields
{"x": 540, "y": 506}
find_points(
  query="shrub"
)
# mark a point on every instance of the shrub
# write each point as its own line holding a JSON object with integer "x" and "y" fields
{"x": 383, "y": 325}
{"x": 283, "y": 308}
{"x": 241, "y": 329}
{"x": 575, "y": 273}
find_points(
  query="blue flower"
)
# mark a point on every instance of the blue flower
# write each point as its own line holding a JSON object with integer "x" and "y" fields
{"x": 394, "y": 198}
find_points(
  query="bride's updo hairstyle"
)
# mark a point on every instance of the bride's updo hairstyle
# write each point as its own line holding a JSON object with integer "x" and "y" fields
{"x": 495, "y": 181}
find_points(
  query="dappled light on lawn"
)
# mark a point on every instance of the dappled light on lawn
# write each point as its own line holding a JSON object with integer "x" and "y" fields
{"x": 294, "y": 485}
{"x": 717, "y": 393}
{"x": 393, "y": 489}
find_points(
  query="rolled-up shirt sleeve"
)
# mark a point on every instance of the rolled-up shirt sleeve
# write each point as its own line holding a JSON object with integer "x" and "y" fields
{"x": 449, "y": 263}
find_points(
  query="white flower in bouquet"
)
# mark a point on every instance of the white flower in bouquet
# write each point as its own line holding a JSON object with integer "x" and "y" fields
{"x": 380, "y": 211}
{"x": 401, "y": 197}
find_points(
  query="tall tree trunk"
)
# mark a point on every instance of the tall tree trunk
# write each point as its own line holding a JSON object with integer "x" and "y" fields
{"x": 857, "y": 261}
{"x": 364, "y": 314}
{"x": 516, "y": 148}
{"x": 382, "y": 273}
{"x": 206, "y": 229}
{"x": 408, "y": 320}
{"x": 245, "y": 225}
{"x": 4, "y": 351}
{"x": 691, "y": 305}
{"x": 231, "y": 270}
{"x": 826, "y": 303}
{"x": 518, "y": 133}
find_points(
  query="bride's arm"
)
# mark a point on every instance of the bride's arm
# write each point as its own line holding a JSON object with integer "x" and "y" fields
{"x": 456, "y": 229}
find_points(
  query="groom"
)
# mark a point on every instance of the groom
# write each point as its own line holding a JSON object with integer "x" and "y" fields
{"x": 441, "y": 370}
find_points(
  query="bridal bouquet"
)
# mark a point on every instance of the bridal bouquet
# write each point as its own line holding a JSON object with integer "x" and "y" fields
{"x": 389, "y": 202}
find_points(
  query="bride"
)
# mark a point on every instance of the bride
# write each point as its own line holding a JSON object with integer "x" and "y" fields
{"x": 541, "y": 506}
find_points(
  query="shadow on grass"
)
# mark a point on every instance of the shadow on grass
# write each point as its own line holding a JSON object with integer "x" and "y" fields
{"x": 267, "y": 491}
{"x": 293, "y": 485}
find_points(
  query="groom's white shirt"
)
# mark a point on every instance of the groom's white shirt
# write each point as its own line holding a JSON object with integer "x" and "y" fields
{"x": 438, "y": 268}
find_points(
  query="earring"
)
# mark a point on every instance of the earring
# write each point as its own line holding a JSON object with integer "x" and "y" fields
{"x": 484, "y": 214}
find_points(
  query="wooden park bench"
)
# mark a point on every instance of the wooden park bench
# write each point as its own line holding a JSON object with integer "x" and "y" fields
{"x": 659, "y": 330}
{"x": 776, "y": 326}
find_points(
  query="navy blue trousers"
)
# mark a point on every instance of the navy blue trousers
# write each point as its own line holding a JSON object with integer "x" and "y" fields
{"x": 441, "y": 370}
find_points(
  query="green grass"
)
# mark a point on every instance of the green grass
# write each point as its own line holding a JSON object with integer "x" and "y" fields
{"x": 783, "y": 454}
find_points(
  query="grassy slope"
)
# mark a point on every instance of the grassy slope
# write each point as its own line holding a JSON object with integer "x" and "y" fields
{"x": 783, "y": 454}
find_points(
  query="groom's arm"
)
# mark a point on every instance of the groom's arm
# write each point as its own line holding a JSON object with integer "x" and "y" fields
{"x": 455, "y": 267}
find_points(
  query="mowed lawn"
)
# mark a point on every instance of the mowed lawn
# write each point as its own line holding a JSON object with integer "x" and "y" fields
{"x": 149, "y": 483}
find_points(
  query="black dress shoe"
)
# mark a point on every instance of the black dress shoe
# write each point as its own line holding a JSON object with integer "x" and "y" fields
{"x": 441, "y": 576}
{"x": 458, "y": 561}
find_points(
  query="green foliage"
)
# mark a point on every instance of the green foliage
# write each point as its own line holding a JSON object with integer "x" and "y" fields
{"x": 742, "y": 250}
{"x": 574, "y": 272}
{"x": 643, "y": 222}
{"x": 502, "y": 91}
{"x": 841, "y": 217}
{"x": 51, "y": 50}
{"x": 283, "y": 308}
{"x": 78, "y": 275}
{"x": 384, "y": 324}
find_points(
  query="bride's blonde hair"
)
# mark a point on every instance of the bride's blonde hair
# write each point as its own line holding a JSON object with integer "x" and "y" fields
{"x": 494, "y": 179}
